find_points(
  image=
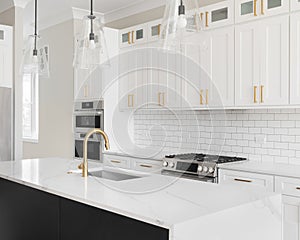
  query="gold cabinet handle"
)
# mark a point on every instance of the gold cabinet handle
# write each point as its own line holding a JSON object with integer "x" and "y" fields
{"x": 159, "y": 28}
{"x": 201, "y": 97}
{"x": 255, "y": 7}
{"x": 163, "y": 94}
{"x": 129, "y": 41}
{"x": 158, "y": 99}
{"x": 132, "y": 35}
{"x": 262, "y": 93}
{"x": 206, "y": 19}
{"x": 130, "y": 100}
{"x": 206, "y": 96}
{"x": 86, "y": 91}
{"x": 242, "y": 180}
{"x": 115, "y": 161}
{"x": 254, "y": 94}
{"x": 201, "y": 16}
{"x": 145, "y": 166}
{"x": 262, "y": 10}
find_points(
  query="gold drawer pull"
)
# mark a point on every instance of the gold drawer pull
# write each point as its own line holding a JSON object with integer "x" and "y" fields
{"x": 130, "y": 100}
{"x": 242, "y": 180}
{"x": 201, "y": 16}
{"x": 207, "y": 96}
{"x": 255, "y": 8}
{"x": 159, "y": 29}
{"x": 206, "y": 19}
{"x": 262, "y": 93}
{"x": 254, "y": 95}
{"x": 298, "y": 188}
{"x": 158, "y": 100}
{"x": 163, "y": 104}
{"x": 262, "y": 7}
{"x": 115, "y": 161}
{"x": 145, "y": 166}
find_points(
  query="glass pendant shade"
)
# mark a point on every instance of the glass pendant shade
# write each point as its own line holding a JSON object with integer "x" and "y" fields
{"x": 35, "y": 59}
{"x": 91, "y": 49}
{"x": 181, "y": 17}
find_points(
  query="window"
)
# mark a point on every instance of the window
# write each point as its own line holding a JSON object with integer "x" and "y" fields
{"x": 30, "y": 107}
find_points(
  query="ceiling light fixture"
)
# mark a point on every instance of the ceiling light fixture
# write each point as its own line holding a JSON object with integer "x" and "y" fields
{"x": 181, "y": 17}
{"x": 34, "y": 60}
{"x": 91, "y": 49}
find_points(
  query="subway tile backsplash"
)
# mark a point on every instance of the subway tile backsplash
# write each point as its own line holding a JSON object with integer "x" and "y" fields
{"x": 264, "y": 135}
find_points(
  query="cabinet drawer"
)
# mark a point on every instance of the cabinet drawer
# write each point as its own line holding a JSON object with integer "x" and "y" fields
{"x": 287, "y": 186}
{"x": 146, "y": 165}
{"x": 235, "y": 177}
{"x": 117, "y": 161}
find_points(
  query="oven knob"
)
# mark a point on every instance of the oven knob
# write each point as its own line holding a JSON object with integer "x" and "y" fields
{"x": 211, "y": 170}
{"x": 165, "y": 163}
{"x": 205, "y": 169}
{"x": 200, "y": 168}
{"x": 171, "y": 165}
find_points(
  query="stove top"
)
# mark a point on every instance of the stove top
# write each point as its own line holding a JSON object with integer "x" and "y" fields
{"x": 200, "y": 157}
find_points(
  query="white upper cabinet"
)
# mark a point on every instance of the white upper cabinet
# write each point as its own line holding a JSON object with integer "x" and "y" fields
{"x": 261, "y": 62}
{"x": 6, "y": 56}
{"x": 295, "y": 5}
{"x": 295, "y": 59}
{"x": 133, "y": 36}
{"x": 154, "y": 30}
{"x": 217, "y": 15}
{"x": 246, "y": 10}
{"x": 209, "y": 69}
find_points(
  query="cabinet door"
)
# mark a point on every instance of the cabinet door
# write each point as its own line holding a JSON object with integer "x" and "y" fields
{"x": 154, "y": 30}
{"x": 125, "y": 38}
{"x": 6, "y": 56}
{"x": 274, "y": 67}
{"x": 139, "y": 34}
{"x": 291, "y": 218}
{"x": 295, "y": 5}
{"x": 246, "y": 10}
{"x": 295, "y": 59}
{"x": 247, "y": 64}
{"x": 222, "y": 67}
{"x": 217, "y": 15}
{"x": 274, "y": 7}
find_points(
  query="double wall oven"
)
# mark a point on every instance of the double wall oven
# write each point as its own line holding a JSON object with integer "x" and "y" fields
{"x": 87, "y": 116}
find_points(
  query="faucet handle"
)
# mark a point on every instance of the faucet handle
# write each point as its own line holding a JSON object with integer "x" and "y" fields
{"x": 80, "y": 166}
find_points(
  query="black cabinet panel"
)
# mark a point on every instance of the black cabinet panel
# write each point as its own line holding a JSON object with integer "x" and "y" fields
{"x": 27, "y": 214}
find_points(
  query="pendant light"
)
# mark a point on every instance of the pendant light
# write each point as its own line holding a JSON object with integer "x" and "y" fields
{"x": 91, "y": 49}
{"x": 181, "y": 18}
{"x": 35, "y": 60}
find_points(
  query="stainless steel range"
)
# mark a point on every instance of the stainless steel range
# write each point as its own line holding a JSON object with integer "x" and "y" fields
{"x": 196, "y": 166}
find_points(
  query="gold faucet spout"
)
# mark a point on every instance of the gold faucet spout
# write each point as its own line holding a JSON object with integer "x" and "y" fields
{"x": 84, "y": 165}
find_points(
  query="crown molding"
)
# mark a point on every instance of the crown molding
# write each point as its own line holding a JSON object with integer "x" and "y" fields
{"x": 132, "y": 9}
{"x": 21, "y": 3}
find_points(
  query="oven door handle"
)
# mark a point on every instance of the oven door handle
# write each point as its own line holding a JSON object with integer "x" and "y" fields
{"x": 88, "y": 113}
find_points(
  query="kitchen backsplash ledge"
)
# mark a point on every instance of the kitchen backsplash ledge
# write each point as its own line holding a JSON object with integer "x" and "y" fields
{"x": 264, "y": 135}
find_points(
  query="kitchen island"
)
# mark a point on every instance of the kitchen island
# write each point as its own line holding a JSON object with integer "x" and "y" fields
{"x": 44, "y": 199}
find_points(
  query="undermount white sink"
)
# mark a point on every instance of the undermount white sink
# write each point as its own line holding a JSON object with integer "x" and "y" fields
{"x": 111, "y": 175}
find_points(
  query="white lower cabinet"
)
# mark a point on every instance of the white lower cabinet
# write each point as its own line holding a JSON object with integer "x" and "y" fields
{"x": 6, "y": 56}
{"x": 262, "y": 62}
{"x": 246, "y": 178}
{"x": 144, "y": 165}
{"x": 117, "y": 161}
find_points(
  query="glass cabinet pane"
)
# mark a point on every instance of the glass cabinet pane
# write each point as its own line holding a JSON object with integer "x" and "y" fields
{"x": 1, "y": 35}
{"x": 124, "y": 37}
{"x": 220, "y": 14}
{"x": 139, "y": 34}
{"x": 274, "y": 3}
{"x": 247, "y": 8}
{"x": 155, "y": 30}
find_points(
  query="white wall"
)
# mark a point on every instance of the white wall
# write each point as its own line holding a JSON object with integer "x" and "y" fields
{"x": 56, "y": 96}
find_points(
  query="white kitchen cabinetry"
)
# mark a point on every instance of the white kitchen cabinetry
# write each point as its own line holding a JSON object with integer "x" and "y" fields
{"x": 246, "y": 178}
{"x": 246, "y": 10}
{"x": 295, "y": 5}
{"x": 217, "y": 15}
{"x": 6, "y": 56}
{"x": 133, "y": 36}
{"x": 295, "y": 59}
{"x": 117, "y": 161}
{"x": 209, "y": 69}
{"x": 261, "y": 61}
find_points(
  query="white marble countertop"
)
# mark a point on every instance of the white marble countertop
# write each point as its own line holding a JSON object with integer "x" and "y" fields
{"x": 285, "y": 170}
{"x": 155, "y": 199}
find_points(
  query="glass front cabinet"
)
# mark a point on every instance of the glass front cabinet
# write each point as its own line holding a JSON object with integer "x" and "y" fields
{"x": 134, "y": 35}
{"x": 249, "y": 9}
{"x": 217, "y": 15}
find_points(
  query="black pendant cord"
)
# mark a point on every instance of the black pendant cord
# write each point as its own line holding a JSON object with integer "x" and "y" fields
{"x": 92, "y": 35}
{"x": 181, "y": 8}
{"x": 35, "y": 29}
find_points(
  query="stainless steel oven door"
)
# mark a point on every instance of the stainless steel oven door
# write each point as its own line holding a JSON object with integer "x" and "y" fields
{"x": 190, "y": 176}
{"x": 85, "y": 121}
{"x": 94, "y": 149}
